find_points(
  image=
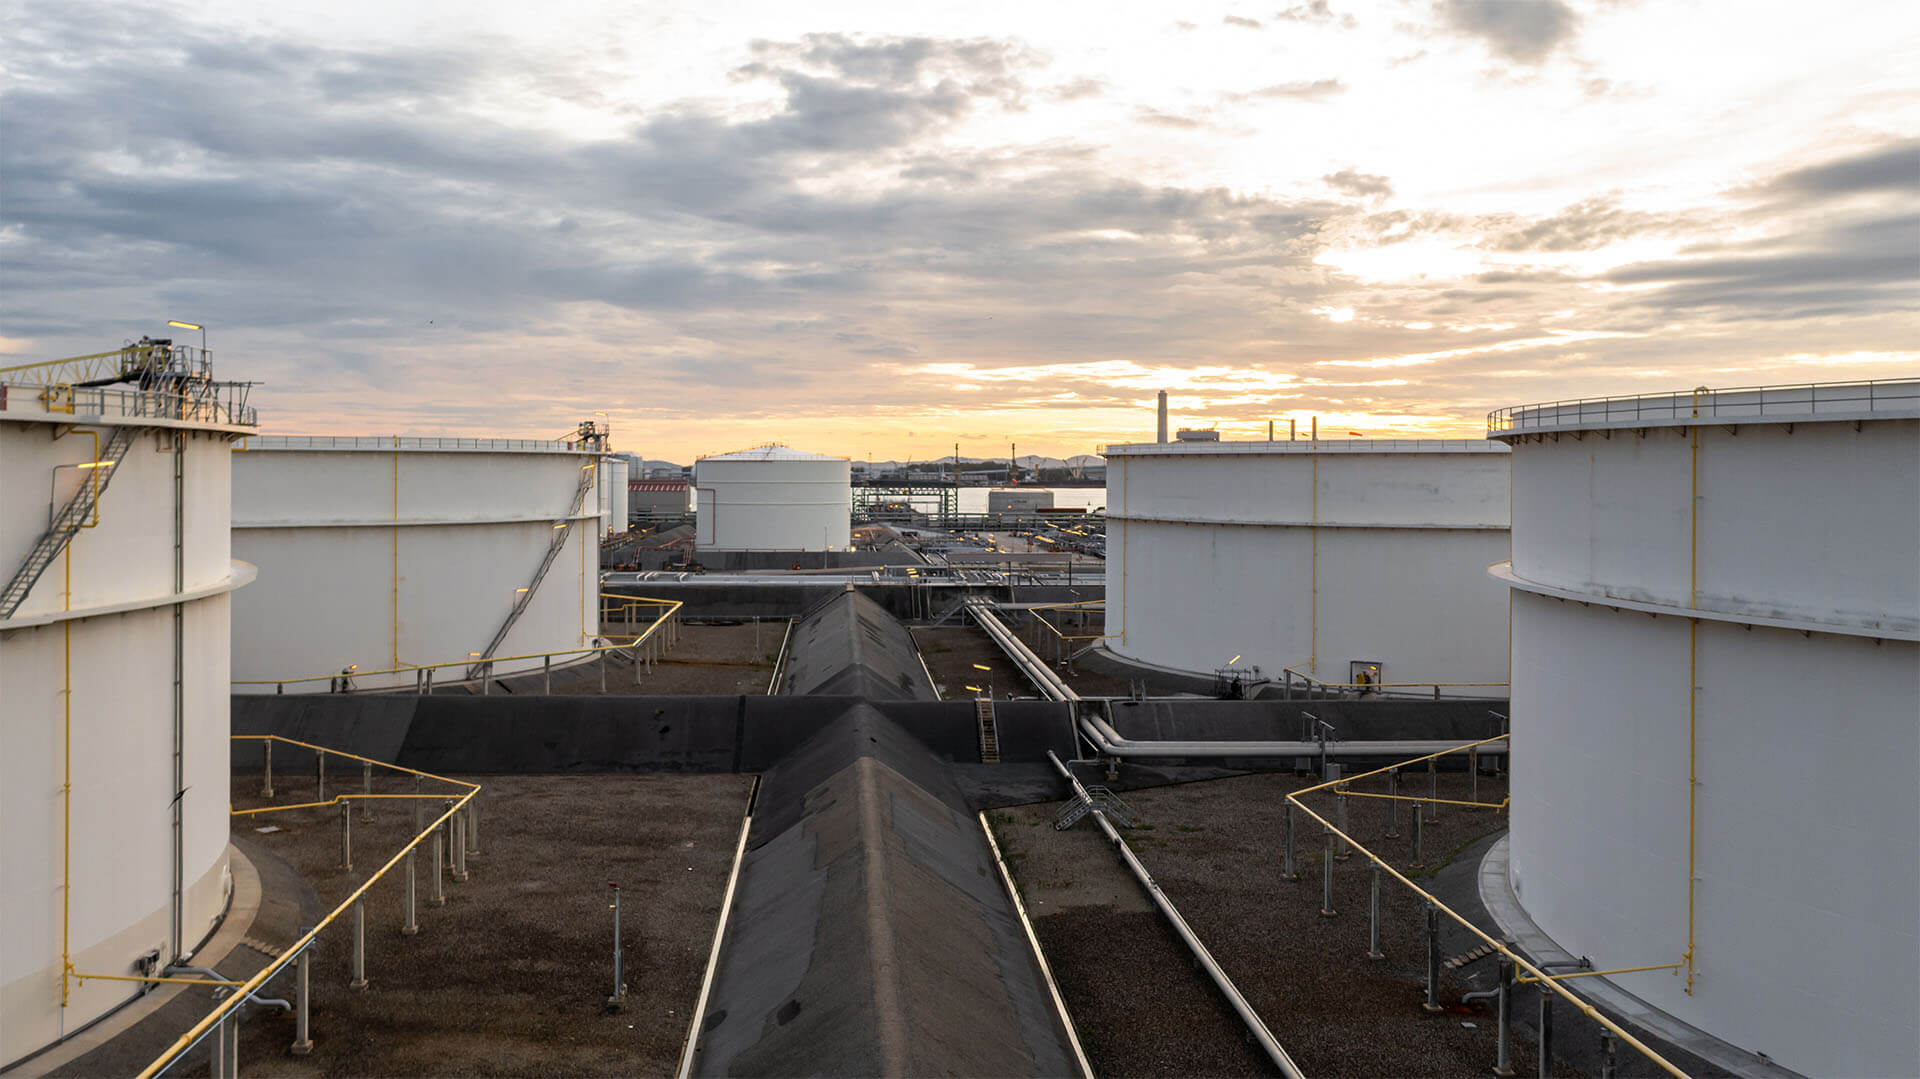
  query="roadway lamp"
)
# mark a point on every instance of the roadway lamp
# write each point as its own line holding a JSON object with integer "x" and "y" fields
{"x": 192, "y": 326}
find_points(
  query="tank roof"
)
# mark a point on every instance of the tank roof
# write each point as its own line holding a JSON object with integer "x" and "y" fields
{"x": 405, "y": 443}
{"x": 772, "y": 451}
{"x": 1807, "y": 402}
{"x": 1325, "y": 445}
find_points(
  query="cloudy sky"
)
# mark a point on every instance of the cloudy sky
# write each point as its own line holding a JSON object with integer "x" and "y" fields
{"x": 884, "y": 228}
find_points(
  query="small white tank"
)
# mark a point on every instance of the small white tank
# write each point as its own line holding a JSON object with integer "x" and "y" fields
{"x": 88, "y": 660}
{"x": 377, "y": 555}
{"x": 1716, "y": 604}
{"x": 1314, "y": 556}
{"x": 773, "y": 498}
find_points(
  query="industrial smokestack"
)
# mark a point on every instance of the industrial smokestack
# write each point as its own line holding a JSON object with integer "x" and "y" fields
{"x": 1163, "y": 417}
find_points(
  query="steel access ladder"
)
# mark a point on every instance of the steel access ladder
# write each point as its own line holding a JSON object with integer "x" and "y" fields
{"x": 68, "y": 522}
{"x": 989, "y": 734}
{"x": 524, "y": 597}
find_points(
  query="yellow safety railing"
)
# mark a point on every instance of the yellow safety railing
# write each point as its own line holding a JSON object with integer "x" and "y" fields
{"x": 1530, "y": 973}
{"x": 664, "y": 624}
{"x": 1064, "y": 643}
{"x": 243, "y": 991}
{"x": 1312, "y": 683}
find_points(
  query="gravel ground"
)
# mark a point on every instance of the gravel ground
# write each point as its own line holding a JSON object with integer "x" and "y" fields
{"x": 708, "y": 659}
{"x": 512, "y": 975}
{"x": 951, "y": 651}
{"x": 1216, "y": 849}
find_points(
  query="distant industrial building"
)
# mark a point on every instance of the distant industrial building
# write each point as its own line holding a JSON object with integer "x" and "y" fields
{"x": 1019, "y": 499}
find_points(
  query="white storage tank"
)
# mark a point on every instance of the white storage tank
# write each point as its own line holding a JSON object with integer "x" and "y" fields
{"x": 379, "y": 555}
{"x": 1716, "y": 604}
{"x": 113, "y": 643}
{"x": 773, "y": 498}
{"x": 1325, "y": 557}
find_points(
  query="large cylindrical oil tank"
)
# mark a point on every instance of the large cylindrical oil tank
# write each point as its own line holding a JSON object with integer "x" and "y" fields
{"x": 113, "y": 693}
{"x": 1716, "y": 603}
{"x": 1311, "y": 556}
{"x": 380, "y": 555}
{"x": 772, "y": 498}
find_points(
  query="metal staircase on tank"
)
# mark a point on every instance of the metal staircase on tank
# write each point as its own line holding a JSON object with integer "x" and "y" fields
{"x": 68, "y": 522}
{"x": 989, "y": 735}
{"x": 525, "y": 597}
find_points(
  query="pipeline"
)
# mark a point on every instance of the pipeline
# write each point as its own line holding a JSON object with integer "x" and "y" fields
{"x": 1049, "y": 684}
{"x": 1201, "y": 955}
{"x": 1109, "y": 742}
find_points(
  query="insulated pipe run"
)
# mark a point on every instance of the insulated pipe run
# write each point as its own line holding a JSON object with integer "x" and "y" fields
{"x": 1109, "y": 742}
{"x": 1225, "y": 984}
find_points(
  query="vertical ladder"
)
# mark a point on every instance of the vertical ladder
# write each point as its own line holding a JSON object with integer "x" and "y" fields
{"x": 989, "y": 737}
{"x": 522, "y": 599}
{"x": 67, "y": 523}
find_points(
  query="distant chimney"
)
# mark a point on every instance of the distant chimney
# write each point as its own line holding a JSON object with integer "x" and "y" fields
{"x": 1162, "y": 437}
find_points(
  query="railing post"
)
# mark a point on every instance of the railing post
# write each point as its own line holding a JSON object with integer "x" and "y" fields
{"x": 1432, "y": 1003}
{"x": 1546, "y": 1031}
{"x": 1326, "y": 880}
{"x": 1473, "y": 773}
{"x": 218, "y": 1067}
{"x": 266, "y": 788}
{"x": 1433, "y": 783}
{"x": 366, "y": 787}
{"x": 459, "y": 837}
{"x": 1287, "y": 870}
{"x": 619, "y": 997}
{"x": 346, "y": 835}
{"x": 438, "y": 896}
{"x": 1503, "y": 1039}
{"x": 1609, "y": 1059}
{"x": 1340, "y": 795}
{"x": 320, "y": 774}
{"x": 412, "y": 924}
{"x": 473, "y": 825}
{"x": 1373, "y": 921}
{"x": 486, "y": 679}
{"x": 1419, "y": 830}
{"x": 303, "y": 1008}
{"x": 359, "y": 945}
{"x": 233, "y": 1045}
{"x": 1393, "y": 803}
{"x": 429, "y": 681}
{"x": 546, "y": 675}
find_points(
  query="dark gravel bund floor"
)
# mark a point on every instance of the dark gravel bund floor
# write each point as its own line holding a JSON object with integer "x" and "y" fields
{"x": 1141, "y": 1005}
{"x": 512, "y": 975}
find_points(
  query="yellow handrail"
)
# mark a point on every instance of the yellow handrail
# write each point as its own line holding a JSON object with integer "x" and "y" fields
{"x": 1524, "y": 980}
{"x": 1297, "y": 672}
{"x": 246, "y": 989}
{"x": 1519, "y": 962}
{"x": 673, "y": 608}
